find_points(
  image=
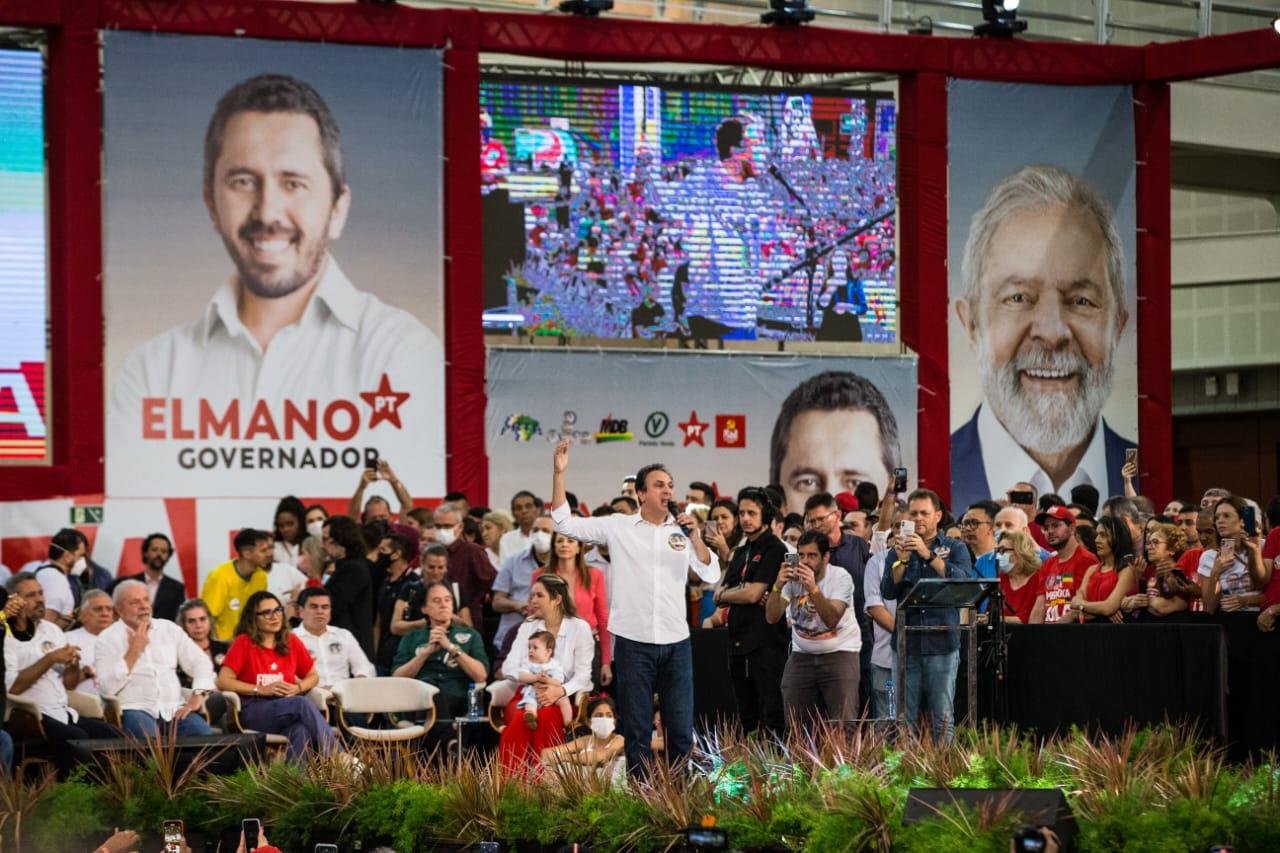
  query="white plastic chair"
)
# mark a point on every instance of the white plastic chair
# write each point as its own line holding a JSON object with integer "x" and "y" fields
{"x": 88, "y": 705}
{"x": 384, "y": 695}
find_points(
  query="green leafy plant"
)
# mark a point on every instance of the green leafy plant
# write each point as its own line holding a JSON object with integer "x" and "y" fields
{"x": 64, "y": 815}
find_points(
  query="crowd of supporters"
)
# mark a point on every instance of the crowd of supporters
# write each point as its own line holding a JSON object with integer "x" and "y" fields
{"x": 501, "y": 600}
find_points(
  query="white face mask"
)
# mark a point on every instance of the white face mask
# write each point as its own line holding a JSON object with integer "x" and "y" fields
{"x": 1004, "y": 562}
{"x": 541, "y": 541}
{"x": 602, "y": 727}
{"x": 78, "y": 567}
{"x": 315, "y": 528}
{"x": 445, "y": 536}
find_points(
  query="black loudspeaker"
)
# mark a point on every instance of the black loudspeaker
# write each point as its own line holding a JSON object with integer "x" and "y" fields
{"x": 228, "y": 752}
{"x": 1039, "y": 806}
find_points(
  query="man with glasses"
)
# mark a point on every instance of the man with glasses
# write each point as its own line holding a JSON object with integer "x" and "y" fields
{"x": 932, "y": 659}
{"x": 978, "y": 529}
{"x": 849, "y": 552}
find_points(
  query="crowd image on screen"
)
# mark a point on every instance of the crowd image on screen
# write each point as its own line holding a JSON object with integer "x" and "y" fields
{"x": 647, "y": 211}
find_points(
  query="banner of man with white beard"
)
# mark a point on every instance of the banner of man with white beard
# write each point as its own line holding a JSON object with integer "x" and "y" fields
{"x": 1041, "y": 246}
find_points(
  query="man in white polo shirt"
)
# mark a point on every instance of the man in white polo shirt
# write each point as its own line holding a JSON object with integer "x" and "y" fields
{"x": 651, "y": 560}
{"x": 288, "y": 327}
{"x": 336, "y": 651}
{"x": 44, "y": 667}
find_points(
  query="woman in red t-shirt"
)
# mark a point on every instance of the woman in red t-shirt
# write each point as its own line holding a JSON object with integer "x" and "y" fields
{"x": 271, "y": 669}
{"x": 1018, "y": 562}
{"x": 590, "y": 598}
{"x": 1107, "y": 583}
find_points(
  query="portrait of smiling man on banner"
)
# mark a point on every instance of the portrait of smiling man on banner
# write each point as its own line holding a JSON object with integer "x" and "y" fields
{"x": 289, "y": 366}
{"x": 1042, "y": 305}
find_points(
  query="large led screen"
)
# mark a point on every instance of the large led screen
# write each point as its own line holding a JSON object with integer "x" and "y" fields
{"x": 624, "y": 211}
{"x": 24, "y": 434}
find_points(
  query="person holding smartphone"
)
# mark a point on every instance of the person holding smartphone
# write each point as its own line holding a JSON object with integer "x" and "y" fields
{"x": 817, "y": 598}
{"x": 932, "y": 660}
{"x": 1233, "y": 575}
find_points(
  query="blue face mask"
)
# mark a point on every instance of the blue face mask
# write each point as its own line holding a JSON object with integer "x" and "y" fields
{"x": 1004, "y": 562}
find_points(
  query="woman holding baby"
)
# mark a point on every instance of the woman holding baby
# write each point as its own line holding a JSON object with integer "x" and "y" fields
{"x": 538, "y": 722}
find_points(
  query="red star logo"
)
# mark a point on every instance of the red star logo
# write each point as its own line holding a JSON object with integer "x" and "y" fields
{"x": 385, "y": 403}
{"x": 692, "y": 430}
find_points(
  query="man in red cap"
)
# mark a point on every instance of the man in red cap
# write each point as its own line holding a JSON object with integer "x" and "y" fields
{"x": 1066, "y": 568}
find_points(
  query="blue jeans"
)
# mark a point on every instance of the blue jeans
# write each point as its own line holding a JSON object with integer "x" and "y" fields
{"x": 936, "y": 676}
{"x": 882, "y": 707}
{"x": 641, "y": 670}
{"x": 6, "y": 752}
{"x": 142, "y": 725}
{"x": 295, "y": 717}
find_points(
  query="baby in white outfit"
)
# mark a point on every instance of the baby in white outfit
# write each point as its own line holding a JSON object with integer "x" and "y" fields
{"x": 542, "y": 645}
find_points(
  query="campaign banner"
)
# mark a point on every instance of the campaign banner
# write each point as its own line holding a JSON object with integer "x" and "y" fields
{"x": 274, "y": 271}
{"x": 1042, "y": 332}
{"x": 810, "y": 424}
{"x": 24, "y": 296}
{"x": 200, "y": 530}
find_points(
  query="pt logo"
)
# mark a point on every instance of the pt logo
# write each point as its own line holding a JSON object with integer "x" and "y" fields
{"x": 655, "y": 426}
{"x": 693, "y": 430}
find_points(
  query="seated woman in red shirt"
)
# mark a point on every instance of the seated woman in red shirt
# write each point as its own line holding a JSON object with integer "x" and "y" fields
{"x": 1106, "y": 584}
{"x": 1018, "y": 562}
{"x": 271, "y": 669}
{"x": 590, "y": 598}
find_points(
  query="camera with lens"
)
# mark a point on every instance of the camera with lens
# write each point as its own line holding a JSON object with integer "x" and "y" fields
{"x": 414, "y": 596}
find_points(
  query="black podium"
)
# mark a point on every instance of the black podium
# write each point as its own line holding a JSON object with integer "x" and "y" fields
{"x": 939, "y": 594}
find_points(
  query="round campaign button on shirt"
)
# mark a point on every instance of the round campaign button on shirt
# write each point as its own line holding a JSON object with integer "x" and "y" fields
{"x": 678, "y": 542}
{"x": 234, "y": 604}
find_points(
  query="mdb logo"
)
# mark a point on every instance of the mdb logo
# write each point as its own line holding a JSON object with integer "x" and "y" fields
{"x": 612, "y": 429}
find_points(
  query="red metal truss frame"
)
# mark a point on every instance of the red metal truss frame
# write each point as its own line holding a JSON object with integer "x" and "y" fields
{"x": 923, "y": 64}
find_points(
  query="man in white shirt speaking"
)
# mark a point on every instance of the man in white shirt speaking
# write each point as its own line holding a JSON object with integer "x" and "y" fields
{"x": 652, "y": 557}
{"x": 138, "y": 659}
{"x": 289, "y": 367}
{"x": 337, "y": 653}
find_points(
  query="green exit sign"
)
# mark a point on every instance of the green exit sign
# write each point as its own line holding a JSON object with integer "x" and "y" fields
{"x": 86, "y": 515}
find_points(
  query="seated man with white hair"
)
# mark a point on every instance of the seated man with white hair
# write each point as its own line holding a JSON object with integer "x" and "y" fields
{"x": 138, "y": 660}
{"x": 96, "y": 615}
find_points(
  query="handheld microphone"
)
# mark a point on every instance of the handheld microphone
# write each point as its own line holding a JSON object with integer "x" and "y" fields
{"x": 675, "y": 510}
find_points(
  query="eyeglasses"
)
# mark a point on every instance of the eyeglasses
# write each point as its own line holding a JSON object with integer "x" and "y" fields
{"x": 815, "y": 520}
{"x": 267, "y": 614}
{"x": 973, "y": 522}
